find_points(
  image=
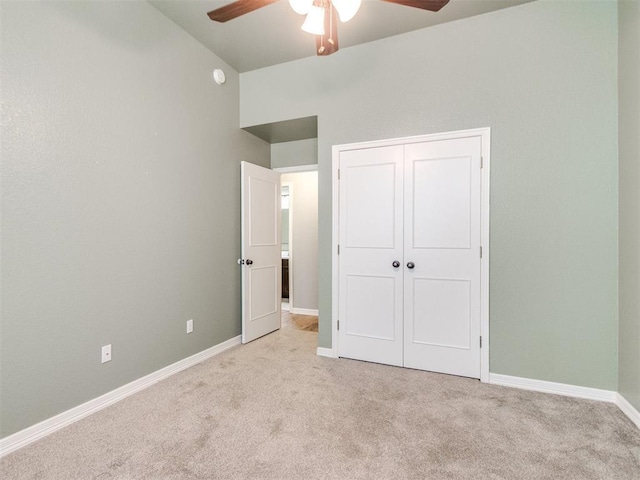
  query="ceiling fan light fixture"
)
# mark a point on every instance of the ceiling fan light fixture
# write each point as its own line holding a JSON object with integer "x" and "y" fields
{"x": 301, "y": 7}
{"x": 346, "y": 8}
{"x": 314, "y": 22}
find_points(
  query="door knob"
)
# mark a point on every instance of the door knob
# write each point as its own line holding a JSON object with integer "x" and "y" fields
{"x": 395, "y": 264}
{"x": 410, "y": 265}
{"x": 249, "y": 262}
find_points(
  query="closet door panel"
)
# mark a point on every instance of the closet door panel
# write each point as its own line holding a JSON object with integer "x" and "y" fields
{"x": 370, "y": 303}
{"x": 448, "y": 322}
{"x": 370, "y": 207}
{"x": 370, "y": 296}
{"x": 442, "y": 203}
{"x": 442, "y": 240}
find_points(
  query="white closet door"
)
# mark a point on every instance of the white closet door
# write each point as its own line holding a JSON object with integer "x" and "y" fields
{"x": 370, "y": 296}
{"x": 442, "y": 241}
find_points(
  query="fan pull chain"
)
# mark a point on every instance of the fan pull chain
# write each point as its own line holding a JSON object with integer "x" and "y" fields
{"x": 322, "y": 48}
{"x": 329, "y": 39}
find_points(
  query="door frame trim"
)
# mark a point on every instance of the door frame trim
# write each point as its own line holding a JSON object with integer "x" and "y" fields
{"x": 485, "y": 136}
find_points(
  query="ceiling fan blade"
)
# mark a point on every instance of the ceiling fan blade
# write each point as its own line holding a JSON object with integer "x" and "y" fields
{"x": 328, "y": 43}
{"x": 236, "y": 9}
{"x": 431, "y": 5}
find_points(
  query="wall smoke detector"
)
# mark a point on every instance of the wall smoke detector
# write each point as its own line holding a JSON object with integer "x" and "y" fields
{"x": 218, "y": 76}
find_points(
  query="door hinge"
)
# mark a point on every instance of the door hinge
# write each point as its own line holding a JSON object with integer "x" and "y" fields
{"x": 338, "y": 249}
{"x": 481, "y": 342}
{"x": 338, "y": 324}
{"x": 481, "y": 162}
{"x": 338, "y": 174}
{"x": 480, "y": 252}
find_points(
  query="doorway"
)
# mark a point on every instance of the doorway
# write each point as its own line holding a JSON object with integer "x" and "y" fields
{"x": 299, "y": 248}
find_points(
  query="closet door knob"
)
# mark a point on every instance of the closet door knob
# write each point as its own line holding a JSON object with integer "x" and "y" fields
{"x": 395, "y": 264}
{"x": 249, "y": 262}
{"x": 410, "y": 265}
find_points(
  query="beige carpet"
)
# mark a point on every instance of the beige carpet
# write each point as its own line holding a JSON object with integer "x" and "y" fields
{"x": 274, "y": 410}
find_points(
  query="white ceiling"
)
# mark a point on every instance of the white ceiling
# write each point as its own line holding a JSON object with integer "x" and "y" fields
{"x": 272, "y": 34}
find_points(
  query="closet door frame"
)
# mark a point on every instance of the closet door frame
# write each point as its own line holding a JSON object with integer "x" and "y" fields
{"x": 485, "y": 136}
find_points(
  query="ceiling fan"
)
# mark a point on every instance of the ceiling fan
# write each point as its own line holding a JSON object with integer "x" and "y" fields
{"x": 321, "y": 15}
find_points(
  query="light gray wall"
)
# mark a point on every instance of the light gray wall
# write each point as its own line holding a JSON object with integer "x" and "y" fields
{"x": 294, "y": 154}
{"x": 120, "y": 158}
{"x": 629, "y": 144}
{"x": 303, "y": 263}
{"x": 543, "y": 76}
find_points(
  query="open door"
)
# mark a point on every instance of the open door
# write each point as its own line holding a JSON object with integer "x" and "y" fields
{"x": 261, "y": 257}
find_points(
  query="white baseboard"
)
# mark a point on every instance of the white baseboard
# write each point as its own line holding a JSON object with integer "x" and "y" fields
{"x": 628, "y": 409}
{"x": 552, "y": 387}
{"x": 325, "y": 352}
{"x": 53, "y": 424}
{"x": 304, "y": 311}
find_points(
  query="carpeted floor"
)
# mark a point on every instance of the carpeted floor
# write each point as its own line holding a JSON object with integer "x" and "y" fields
{"x": 272, "y": 409}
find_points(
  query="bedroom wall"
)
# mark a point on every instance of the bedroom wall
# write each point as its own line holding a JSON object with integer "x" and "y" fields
{"x": 629, "y": 208}
{"x": 543, "y": 76}
{"x": 294, "y": 154}
{"x": 120, "y": 158}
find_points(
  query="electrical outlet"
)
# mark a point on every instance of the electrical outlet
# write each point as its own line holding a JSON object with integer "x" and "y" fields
{"x": 189, "y": 326}
{"x": 106, "y": 353}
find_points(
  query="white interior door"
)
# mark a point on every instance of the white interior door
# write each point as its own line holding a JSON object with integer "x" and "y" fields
{"x": 261, "y": 251}
{"x": 417, "y": 204}
{"x": 442, "y": 243}
{"x": 370, "y": 298}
